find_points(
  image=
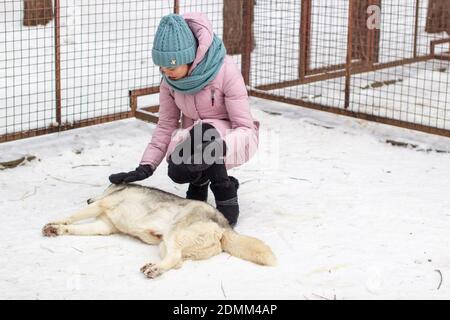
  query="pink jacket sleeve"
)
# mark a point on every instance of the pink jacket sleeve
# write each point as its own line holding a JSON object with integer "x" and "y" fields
{"x": 169, "y": 115}
{"x": 242, "y": 139}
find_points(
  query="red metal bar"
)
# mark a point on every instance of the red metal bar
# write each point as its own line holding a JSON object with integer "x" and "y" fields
{"x": 373, "y": 39}
{"x": 58, "y": 61}
{"x": 305, "y": 38}
{"x": 151, "y": 109}
{"x": 144, "y": 116}
{"x": 356, "y": 69}
{"x": 442, "y": 57}
{"x": 348, "y": 63}
{"x": 434, "y": 43}
{"x": 416, "y": 28}
{"x": 64, "y": 127}
{"x": 364, "y": 116}
{"x": 248, "y": 11}
{"x": 134, "y": 94}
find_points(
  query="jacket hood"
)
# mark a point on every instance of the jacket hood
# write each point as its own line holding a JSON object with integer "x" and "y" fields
{"x": 202, "y": 29}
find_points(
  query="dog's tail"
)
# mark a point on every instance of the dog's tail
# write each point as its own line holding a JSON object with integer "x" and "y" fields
{"x": 247, "y": 248}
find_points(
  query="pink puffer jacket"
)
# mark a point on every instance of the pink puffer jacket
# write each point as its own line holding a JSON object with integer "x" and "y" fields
{"x": 223, "y": 103}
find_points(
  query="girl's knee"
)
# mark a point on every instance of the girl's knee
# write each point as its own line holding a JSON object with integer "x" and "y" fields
{"x": 179, "y": 173}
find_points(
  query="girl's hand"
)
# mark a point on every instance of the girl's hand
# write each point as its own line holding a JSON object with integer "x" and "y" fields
{"x": 142, "y": 172}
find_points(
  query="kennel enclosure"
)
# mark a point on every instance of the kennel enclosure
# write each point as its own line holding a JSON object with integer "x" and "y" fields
{"x": 68, "y": 64}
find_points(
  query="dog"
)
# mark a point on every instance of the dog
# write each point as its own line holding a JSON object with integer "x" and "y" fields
{"x": 183, "y": 229}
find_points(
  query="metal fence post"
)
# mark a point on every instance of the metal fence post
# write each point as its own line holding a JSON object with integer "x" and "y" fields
{"x": 305, "y": 33}
{"x": 348, "y": 64}
{"x": 248, "y": 40}
{"x": 58, "y": 62}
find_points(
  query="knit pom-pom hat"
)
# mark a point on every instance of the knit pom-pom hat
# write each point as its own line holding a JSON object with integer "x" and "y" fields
{"x": 174, "y": 42}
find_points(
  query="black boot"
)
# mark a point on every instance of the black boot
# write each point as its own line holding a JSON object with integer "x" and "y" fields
{"x": 226, "y": 199}
{"x": 225, "y": 190}
{"x": 198, "y": 190}
{"x": 235, "y": 181}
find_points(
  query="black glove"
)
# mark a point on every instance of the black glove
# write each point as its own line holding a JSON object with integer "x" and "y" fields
{"x": 142, "y": 172}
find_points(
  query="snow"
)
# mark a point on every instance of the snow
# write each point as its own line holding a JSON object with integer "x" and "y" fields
{"x": 348, "y": 215}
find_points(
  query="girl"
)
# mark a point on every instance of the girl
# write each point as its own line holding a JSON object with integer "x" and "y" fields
{"x": 205, "y": 88}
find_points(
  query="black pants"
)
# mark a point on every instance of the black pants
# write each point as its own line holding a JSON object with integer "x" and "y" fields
{"x": 184, "y": 165}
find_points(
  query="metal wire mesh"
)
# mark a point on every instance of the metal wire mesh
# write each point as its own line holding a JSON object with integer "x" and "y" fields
{"x": 326, "y": 55}
{"x": 91, "y": 60}
{"x": 87, "y": 63}
{"x": 105, "y": 52}
{"x": 26, "y": 72}
{"x": 77, "y": 69}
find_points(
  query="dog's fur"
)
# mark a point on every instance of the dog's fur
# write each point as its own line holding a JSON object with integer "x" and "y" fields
{"x": 184, "y": 229}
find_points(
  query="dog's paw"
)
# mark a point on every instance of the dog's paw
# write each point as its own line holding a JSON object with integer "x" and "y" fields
{"x": 50, "y": 230}
{"x": 151, "y": 270}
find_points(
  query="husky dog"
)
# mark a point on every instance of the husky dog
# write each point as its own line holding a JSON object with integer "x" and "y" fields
{"x": 183, "y": 229}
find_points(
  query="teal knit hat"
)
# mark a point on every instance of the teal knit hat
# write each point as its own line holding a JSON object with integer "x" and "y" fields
{"x": 174, "y": 42}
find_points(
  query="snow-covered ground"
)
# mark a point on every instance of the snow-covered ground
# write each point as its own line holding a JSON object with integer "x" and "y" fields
{"x": 347, "y": 214}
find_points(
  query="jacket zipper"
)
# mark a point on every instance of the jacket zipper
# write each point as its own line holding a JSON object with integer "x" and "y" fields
{"x": 212, "y": 96}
